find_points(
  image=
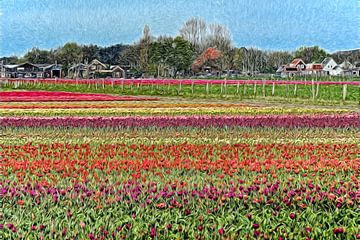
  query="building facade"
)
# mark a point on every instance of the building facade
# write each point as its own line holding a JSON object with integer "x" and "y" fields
{"x": 30, "y": 70}
{"x": 95, "y": 69}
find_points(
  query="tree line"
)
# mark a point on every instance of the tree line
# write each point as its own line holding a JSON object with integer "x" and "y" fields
{"x": 198, "y": 46}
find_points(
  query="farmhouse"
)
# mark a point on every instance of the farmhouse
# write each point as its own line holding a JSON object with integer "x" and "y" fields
{"x": 330, "y": 67}
{"x": 295, "y": 68}
{"x": 95, "y": 69}
{"x": 30, "y": 70}
{"x": 313, "y": 69}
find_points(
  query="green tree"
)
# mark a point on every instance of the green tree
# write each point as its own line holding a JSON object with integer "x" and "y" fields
{"x": 130, "y": 57}
{"x": 69, "y": 54}
{"x": 110, "y": 55}
{"x": 160, "y": 51}
{"x": 312, "y": 54}
{"x": 9, "y": 60}
{"x": 172, "y": 55}
{"x": 39, "y": 56}
{"x": 91, "y": 52}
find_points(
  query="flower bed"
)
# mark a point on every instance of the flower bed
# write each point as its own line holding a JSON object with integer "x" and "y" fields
{"x": 286, "y": 121}
{"x": 202, "y": 190}
{"x": 43, "y": 96}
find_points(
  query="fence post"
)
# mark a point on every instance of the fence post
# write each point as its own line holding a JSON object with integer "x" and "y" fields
{"x": 344, "y": 92}
{"x": 295, "y": 90}
{"x": 287, "y": 90}
{"x": 237, "y": 88}
{"x": 207, "y": 88}
{"x": 317, "y": 89}
{"x": 263, "y": 88}
{"x": 244, "y": 89}
{"x": 313, "y": 88}
{"x": 273, "y": 89}
{"x": 255, "y": 89}
{"x": 192, "y": 87}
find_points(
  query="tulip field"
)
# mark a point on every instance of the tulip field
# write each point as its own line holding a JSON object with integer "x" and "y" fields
{"x": 103, "y": 166}
{"x": 335, "y": 90}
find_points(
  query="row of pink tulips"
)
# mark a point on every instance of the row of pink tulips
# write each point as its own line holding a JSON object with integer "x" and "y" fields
{"x": 182, "y": 81}
{"x": 288, "y": 121}
{"x": 44, "y": 96}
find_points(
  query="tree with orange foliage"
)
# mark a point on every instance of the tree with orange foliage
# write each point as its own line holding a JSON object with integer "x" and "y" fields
{"x": 209, "y": 56}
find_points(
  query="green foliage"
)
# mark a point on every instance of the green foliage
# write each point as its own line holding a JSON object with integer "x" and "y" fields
{"x": 172, "y": 54}
{"x": 9, "y": 60}
{"x": 39, "y": 56}
{"x": 311, "y": 54}
{"x": 69, "y": 54}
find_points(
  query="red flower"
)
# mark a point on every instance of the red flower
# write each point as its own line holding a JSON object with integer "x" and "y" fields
{"x": 292, "y": 215}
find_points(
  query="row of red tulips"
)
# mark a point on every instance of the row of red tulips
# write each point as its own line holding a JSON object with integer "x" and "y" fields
{"x": 71, "y": 160}
{"x": 45, "y": 96}
{"x": 288, "y": 121}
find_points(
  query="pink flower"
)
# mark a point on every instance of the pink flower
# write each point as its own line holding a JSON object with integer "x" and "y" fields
{"x": 256, "y": 226}
{"x": 153, "y": 232}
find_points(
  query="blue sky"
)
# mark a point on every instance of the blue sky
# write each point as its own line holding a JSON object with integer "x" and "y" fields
{"x": 266, "y": 24}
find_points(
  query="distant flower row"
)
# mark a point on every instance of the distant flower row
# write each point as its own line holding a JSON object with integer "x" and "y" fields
{"x": 122, "y": 111}
{"x": 44, "y": 96}
{"x": 287, "y": 121}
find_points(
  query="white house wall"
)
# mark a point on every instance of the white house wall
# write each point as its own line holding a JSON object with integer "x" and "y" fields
{"x": 330, "y": 65}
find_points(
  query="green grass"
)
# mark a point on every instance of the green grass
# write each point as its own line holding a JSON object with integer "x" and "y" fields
{"x": 325, "y": 93}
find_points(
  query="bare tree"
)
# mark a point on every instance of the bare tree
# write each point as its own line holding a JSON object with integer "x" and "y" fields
{"x": 220, "y": 38}
{"x": 145, "y": 42}
{"x": 195, "y": 31}
{"x": 278, "y": 58}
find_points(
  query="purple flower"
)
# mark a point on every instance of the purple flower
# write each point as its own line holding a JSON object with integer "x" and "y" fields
{"x": 153, "y": 232}
{"x": 338, "y": 230}
{"x": 256, "y": 226}
{"x": 10, "y": 225}
{"x": 1, "y": 226}
{"x": 91, "y": 236}
{"x": 257, "y": 233}
{"x": 169, "y": 226}
{"x": 292, "y": 215}
{"x": 221, "y": 231}
{"x": 42, "y": 227}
